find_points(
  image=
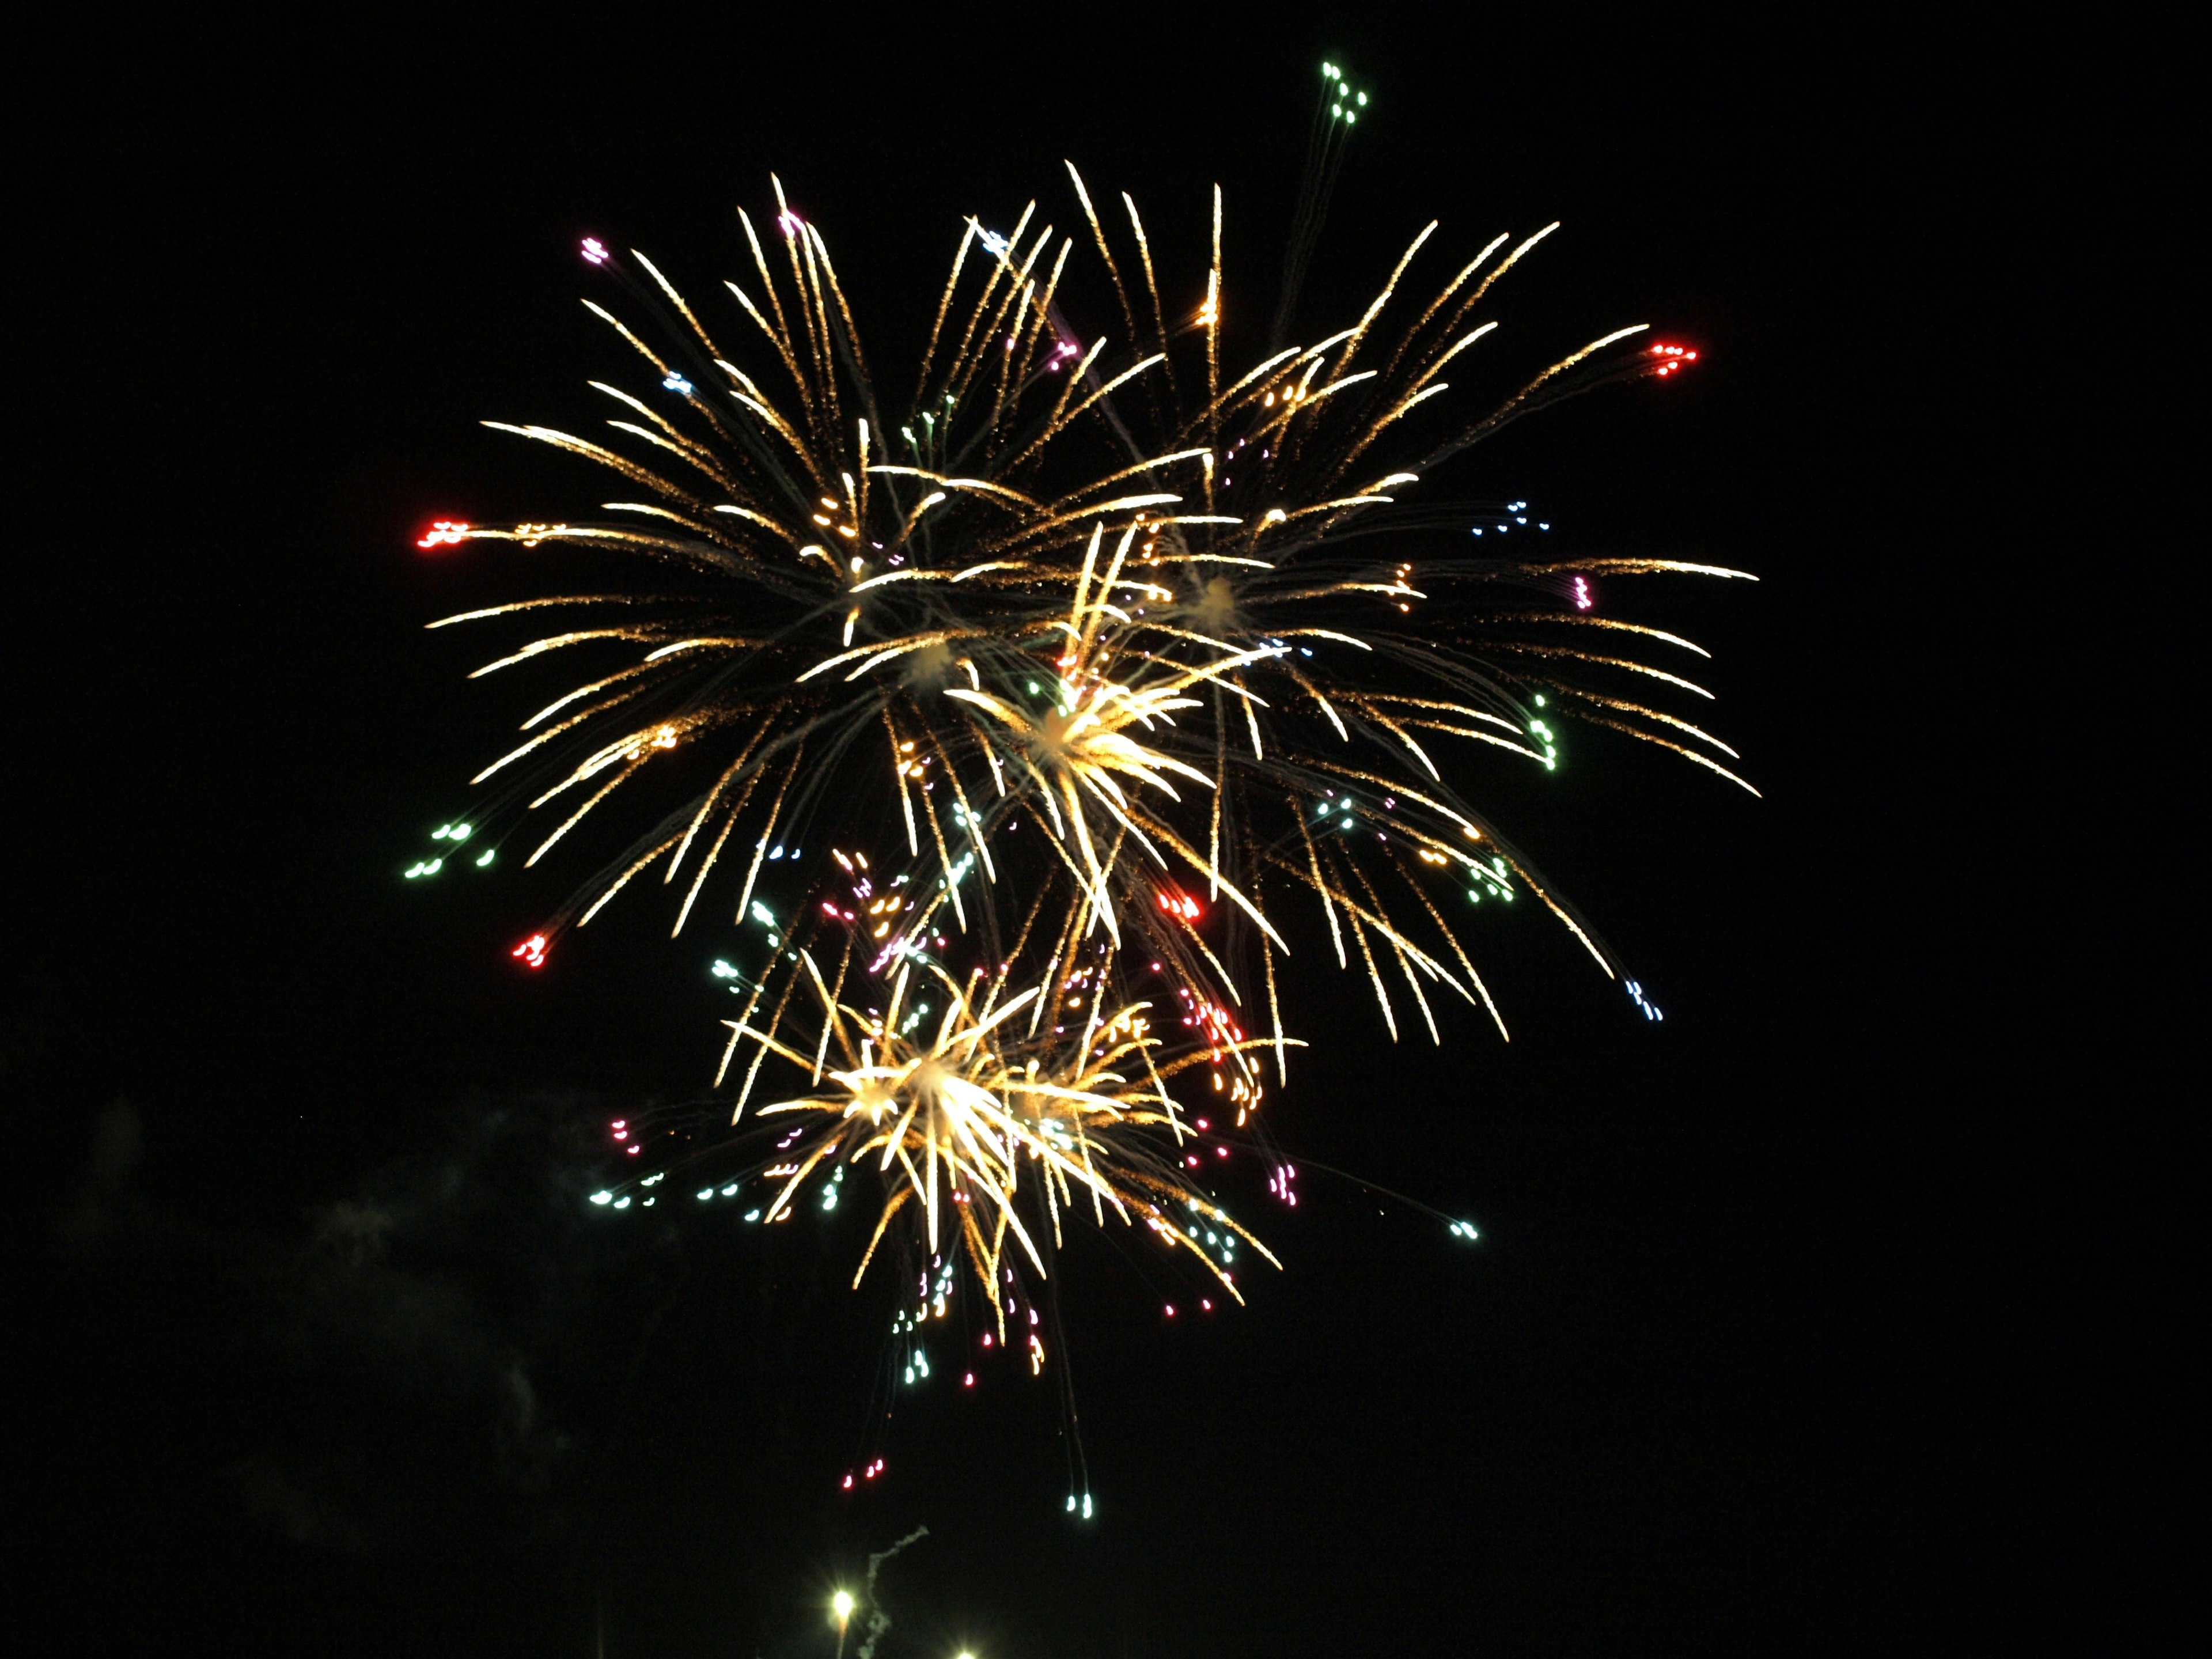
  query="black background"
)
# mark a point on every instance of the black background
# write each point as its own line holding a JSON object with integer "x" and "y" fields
{"x": 1842, "y": 1310}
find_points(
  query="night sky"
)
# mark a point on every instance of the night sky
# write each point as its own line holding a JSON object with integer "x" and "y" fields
{"x": 1829, "y": 1314}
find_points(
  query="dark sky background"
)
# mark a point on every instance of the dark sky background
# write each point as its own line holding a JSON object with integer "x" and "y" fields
{"x": 1833, "y": 1313}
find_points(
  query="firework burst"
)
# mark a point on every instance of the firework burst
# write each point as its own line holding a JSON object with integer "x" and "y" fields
{"x": 975, "y": 1109}
{"x": 990, "y": 684}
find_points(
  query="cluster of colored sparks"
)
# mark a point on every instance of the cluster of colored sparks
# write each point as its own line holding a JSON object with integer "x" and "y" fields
{"x": 1345, "y": 101}
{"x": 1515, "y": 513}
{"x": 1039, "y": 718}
{"x": 454, "y": 832}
